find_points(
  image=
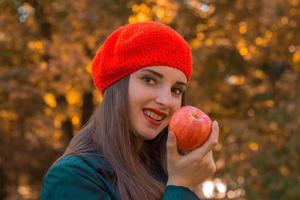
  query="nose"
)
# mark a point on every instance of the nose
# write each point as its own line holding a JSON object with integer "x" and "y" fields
{"x": 164, "y": 98}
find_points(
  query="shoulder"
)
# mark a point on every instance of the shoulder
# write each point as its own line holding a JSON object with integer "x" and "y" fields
{"x": 71, "y": 167}
{"x": 76, "y": 176}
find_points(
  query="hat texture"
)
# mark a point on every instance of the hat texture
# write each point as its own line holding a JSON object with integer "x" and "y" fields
{"x": 135, "y": 46}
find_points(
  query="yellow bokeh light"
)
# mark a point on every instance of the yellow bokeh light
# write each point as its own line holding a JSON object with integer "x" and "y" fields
{"x": 25, "y": 191}
{"x": 162, "y": 2}
{"x": 36, "y": 45}
{"x": 43, "y": 65}
{"x": 8, "y": 115}
{"x": 135, "y": 8}
{"x": 141, "y": 17}
{"x": 236, "y": 80}
{"x": 294, "y": 2}
{"x": 75, "y": 120}
{"x": 50, "y": 100}
{"x": 58, "y": 121}
{"x": 296, "y": 57}
{"x": 259, "y": 74}
{"x": 244, "y": 51}
{"x": 57, "y": 135}
{"x": 209, "y": 42}
{"x": 48, "y": 111}
{"x": 220, "y": 164}
{"x": 242, "y": 156}
{"x": 253, "y": 50}
{"x": 195, "y": 44}
{"x": 165, "y": 11}
{"x": 259, "y": 41}
{"x": 97, "y": 96}
{"x": 140, "y": 8}
{"x": 284, "y": 20}
{"x": 243, "y": 28}
{"x": 88, "y": 68}
{"x": 160, "y": 12}
{"x": 73, "y": 97}
{"x": 200, "y": 36}
{"x": 268, "y": 35}
{"x": 90, "y": 41}
{"x": 269, "y": 103}
{"x": 241, "y": 44}
{"x": 253, "y": 146}
{"x": 141, "y": 13}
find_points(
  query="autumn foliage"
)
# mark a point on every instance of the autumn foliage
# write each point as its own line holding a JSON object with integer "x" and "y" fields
{"x": 246, "y": 59}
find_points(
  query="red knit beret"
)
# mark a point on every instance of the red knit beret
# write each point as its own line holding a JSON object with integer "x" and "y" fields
{"x": 134, "y": 46}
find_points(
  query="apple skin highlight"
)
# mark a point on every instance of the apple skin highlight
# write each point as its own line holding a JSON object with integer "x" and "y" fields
{"x": 191, "y": 127}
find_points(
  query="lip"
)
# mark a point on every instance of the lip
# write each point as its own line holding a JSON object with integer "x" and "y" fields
{"x": 157, "y": 112}
{"x": 152, "y": 121}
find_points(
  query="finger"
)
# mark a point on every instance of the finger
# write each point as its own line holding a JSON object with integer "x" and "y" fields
{"x": 207, "y": 157}
{"x": 212, "y": 141}
{"x": 209, "y": 161}
{"x": 212, "y": 161}
{"x": 172, "y": 146}
{"x": 215, "y": 129}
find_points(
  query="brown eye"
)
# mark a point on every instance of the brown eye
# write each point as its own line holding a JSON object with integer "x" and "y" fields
{"x": 148, "y": 80}
{"x": 177, "y": 91}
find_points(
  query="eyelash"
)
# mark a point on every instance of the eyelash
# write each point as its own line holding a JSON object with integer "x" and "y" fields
{"x": 148, "y": 79}
{"x": 180, "y": 91}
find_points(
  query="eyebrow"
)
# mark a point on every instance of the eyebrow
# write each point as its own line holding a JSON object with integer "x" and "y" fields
{"x": 161, "y": 76}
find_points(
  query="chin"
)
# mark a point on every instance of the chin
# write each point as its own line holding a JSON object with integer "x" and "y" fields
{"x": 149, "y": 135}
{"x": 153, "y": 135}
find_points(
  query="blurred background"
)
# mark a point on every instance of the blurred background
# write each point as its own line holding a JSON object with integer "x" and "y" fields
{"x": 246, "y": 75}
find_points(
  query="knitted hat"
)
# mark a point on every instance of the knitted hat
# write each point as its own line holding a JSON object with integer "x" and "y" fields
{"x": 134, "y": 46}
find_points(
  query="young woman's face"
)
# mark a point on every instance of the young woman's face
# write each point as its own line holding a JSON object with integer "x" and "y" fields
{"x": 155, "y": 93}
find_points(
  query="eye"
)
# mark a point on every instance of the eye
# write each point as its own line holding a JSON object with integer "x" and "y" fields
{"x": 148, "y": 79}
{"x": 177, "y": 91}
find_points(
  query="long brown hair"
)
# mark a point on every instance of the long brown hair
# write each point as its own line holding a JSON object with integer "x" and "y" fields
{"x": 108, "y": 131}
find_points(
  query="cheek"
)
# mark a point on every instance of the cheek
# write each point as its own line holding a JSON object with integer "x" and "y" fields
{"x": 177, "y": 104}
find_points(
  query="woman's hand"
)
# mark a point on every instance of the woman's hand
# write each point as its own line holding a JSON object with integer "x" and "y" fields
{"x": 193, "y": 168}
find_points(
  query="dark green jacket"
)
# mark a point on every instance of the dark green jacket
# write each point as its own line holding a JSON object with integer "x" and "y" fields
{"x": 81, "y": 177}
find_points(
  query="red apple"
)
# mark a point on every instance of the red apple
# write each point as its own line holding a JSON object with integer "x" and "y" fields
{"x": 191, "y": 126}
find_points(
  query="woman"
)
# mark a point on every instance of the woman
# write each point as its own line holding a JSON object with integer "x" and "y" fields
{"x": 126, "y": 151}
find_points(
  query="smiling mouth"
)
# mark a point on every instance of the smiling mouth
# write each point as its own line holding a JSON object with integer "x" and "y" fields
{"x": 153, "y": 115}
{"x": 153, "y": 118}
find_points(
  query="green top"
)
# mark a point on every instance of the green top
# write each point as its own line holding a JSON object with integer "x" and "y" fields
{"x": 81, "y": 177}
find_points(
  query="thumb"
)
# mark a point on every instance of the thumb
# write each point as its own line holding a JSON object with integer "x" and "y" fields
{"x": 172, "y": 145}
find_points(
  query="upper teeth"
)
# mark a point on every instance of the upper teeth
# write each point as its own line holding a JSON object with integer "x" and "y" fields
{"x": 153, "y": 115}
